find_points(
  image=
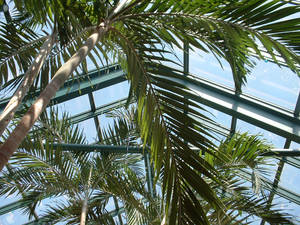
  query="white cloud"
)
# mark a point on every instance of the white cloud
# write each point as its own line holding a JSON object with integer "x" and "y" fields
{"x": 10, "y": 218}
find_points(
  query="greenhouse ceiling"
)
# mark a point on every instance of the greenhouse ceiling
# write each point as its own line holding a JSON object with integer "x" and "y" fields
{"x": 155, "y": 112}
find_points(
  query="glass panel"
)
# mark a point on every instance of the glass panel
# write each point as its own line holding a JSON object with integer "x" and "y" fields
{"x": 220, "y": 121}
{"x": 110, "y": 205}
{"x": 89, "y": 130}
{"x": 295, "y": 161}
{"x": 111, "y": 94}
{"x": 295, "y": 145}
{"x": 75, "y": 106}
{"x": 286, "y": 206}
{"x": 272, "y": 169}
{"x": 276, "y": 85}
{"x": 290, "y": 178}
{"x": 207, "y": 66}
{"x": 105, "y": 121}
{"x": 273, "y": 139}
{"x": 216, "y": 116}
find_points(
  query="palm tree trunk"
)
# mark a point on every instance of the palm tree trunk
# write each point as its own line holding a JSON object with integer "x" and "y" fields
{"x": 163, "y": 222}
{"x": 10, "y": 109}
{"x": 84, "y": 209}
{"x": 19, "y": 133}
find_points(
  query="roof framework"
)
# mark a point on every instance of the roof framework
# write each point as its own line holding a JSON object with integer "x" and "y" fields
{"x": 275, "y": 119}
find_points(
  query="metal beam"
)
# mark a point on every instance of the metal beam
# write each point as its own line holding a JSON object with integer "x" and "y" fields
{"x": 98, "y": 111}
{"x": 149, "y": 175}
{"x": 281, "y": 191}
{"x": 80, "y": 85}
{"x": 277, "y": 178}
{"x": 133, "y": 149}
{"x": 98, "y": 148}
{"x": 117, "y": 210}
{"x": 297, "y": 108}
{"x": 283, "y": 152}
{"x": 233, "y": 125}
{"x": 215, "y": 127}
{"x": 267, "y": 116}
{"x": 186, "y": 61}
{"x": 293, "y": 161}
{"x": 96, "y": 119}
{"x": 252, "y": 110}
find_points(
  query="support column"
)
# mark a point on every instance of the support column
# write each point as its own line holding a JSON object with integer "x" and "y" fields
{"x": 149, "y": 173}
{"x": 96, "y": 119}
{"x": 297, "y": 108}
{"x": 186, "y": 62}
{"x": 277, "y": 178}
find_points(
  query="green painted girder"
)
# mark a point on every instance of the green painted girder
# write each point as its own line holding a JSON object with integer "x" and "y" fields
{"x": 83, "y": 84}
{"x": 98, "y": 148}
{"x": 293, "y": 161}
{"x": 133, "y": 149}
{"x": 98, "y": 111}
{"x": 124, "y": 150}
{"x": 297, "y": 108}
{"x": 283, "y": 152}
{"x": 149, "y": 174}
{"x": 217, "y": 128}
{"x": 252, "y": 110}
{"x": 279, "y": 190}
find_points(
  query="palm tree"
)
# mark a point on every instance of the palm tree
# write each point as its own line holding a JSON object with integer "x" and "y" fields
{"x": 26, "y": 49}
{"x": 84, "y": 182}
{"x": 136, "y": 33}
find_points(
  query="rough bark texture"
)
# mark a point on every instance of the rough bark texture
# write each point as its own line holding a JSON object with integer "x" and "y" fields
{"x": 19, "y": 133}
{"x": 12, "y": 106}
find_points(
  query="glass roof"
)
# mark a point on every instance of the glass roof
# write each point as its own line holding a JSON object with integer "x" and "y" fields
{"x": 267, "y": 82}
{"x": 289, "y": 178}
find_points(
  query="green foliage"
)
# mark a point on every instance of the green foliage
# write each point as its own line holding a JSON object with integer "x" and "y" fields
{"x": 142, "y": 37}
{"x": 38, "y": 171}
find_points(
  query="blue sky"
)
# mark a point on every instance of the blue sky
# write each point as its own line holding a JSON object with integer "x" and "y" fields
{"x": 269, "y": 82}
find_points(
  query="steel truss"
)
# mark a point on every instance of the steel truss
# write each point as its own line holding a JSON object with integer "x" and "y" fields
{"x": 240, "y": 106}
